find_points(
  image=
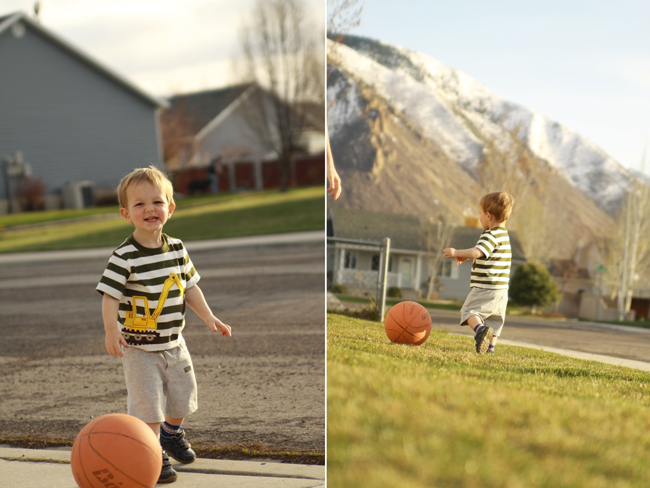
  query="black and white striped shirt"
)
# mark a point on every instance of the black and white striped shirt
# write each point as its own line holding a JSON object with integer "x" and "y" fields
{"x": 137, "y": 271}
{"x": 492, "y": 271}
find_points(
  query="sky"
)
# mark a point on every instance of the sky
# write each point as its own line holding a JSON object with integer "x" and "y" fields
{"x": 583, "y": 63}
{"x": 162, "y": 46}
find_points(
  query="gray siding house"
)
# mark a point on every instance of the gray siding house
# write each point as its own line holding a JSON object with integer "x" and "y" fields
{"x": 410, "y": 263}
{"x": 72, "y": 118}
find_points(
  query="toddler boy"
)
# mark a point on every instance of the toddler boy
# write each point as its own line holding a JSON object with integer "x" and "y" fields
{"x": 145, "y": 286}
{"x": 484, "y": 309}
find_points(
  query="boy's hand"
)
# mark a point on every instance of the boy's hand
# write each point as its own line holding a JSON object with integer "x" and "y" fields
{"x": 450, "y": 252}
{"x": 460, "y": 260}
{"x": 113, "y": 342}
{"x": 217, "y": 325}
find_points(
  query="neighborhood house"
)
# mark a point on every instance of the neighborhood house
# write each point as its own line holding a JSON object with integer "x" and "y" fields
{"x": 223, "y": 128}
{"x": 413, "y": 254}
{"x": 69, "y": 126}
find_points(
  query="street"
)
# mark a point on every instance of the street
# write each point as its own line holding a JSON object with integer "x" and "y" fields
{"x": 264, "y": 385}
{"x": 608, "y": 340}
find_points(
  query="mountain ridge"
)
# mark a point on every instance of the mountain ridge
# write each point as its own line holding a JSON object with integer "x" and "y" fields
{"x": 402, "y": 145}
{"x": 449, "y": 90}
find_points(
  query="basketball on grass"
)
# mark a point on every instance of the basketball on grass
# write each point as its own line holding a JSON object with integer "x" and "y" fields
{"x": 116, "y": 450}
{"x": 408, "y": 323}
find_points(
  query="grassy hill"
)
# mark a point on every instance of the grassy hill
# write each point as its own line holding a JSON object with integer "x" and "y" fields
{"x": 439, "y": 415}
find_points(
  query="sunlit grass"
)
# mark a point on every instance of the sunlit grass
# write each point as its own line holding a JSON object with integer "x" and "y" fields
{"x": 233, "y": 216}
{"x": 440, "y": 415}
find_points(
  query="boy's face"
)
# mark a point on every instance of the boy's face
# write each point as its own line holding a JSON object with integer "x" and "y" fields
{"x": 147, "y": 207}
{"x": 485, "y": 219}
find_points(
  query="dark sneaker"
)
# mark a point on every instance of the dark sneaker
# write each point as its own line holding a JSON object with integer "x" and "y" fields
{"x": 483, "y": 338}
{"x": 167, "y": 474}
{"x": 178, "y": 448}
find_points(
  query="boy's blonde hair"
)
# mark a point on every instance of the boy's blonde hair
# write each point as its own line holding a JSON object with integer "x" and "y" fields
{"x": 498, "y": 204}
{"x": 151, "y": 175}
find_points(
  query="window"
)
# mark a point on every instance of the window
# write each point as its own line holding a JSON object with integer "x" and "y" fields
{"x": 445, "y": 268}
{"x": 350, "y": 260}
{"x": 374, "y": 262}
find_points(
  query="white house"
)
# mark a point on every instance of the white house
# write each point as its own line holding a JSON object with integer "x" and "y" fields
{"x": 223, "y": 125}
{"x": 356, "y": 264}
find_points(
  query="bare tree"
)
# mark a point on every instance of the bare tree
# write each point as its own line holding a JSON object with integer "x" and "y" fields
{"x": 626, "y": 251}
{"x": 436, "y": 236}
{"x": 283, "y": 55}
{"x": 176, "y": 133}
{"x": 342, "y": 17}
{"x": 512, "y": 168}
{"x": 638, "y": 246}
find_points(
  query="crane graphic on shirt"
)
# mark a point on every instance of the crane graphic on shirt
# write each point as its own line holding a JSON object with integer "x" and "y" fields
{"x": 144, "y": 327}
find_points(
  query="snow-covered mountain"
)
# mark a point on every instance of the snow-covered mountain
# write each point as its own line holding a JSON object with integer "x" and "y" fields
{"x": 461, "y": 117}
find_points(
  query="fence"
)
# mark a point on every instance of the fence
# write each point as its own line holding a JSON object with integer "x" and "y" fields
{"x": 360, "y": 266}
{"x": 306, "y": 170}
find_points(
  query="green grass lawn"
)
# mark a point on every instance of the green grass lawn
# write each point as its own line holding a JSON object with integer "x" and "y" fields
{"x": 456, "y": 306}
{"x": 439, "y": 415}
{"x": 260, "y": 213}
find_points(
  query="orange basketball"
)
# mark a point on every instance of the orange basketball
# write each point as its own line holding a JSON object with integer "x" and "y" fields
{"x": 116, "y": 450}
{"x": 408, "y": 323}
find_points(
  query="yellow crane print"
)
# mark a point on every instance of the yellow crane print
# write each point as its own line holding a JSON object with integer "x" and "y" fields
{"x": 138, "y": 327}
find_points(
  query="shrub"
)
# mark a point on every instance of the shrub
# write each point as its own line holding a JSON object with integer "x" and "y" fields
{"x": 339, "y": 288}
{"x": 394, "y": 292}
{"x": 31, "y": 194}
{"x": 532, "y": 286}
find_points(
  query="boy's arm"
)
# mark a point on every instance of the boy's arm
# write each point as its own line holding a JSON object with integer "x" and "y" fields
{"x": 195, "y": 299}
{"x": 463, "y": 255}
{"x": 114, "y": 339}
{"x": 333, "y": 177}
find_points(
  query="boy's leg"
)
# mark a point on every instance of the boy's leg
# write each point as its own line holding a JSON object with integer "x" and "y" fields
{"x": 172, "y": 439}
{"x": 143, "y": 375}
{"x": 181, "y": 400}
{"x": 483, "y": 333}
{"x": 498, "y": 318}
{"x": 156, "y": 428}
{"x": 174, "y": 420}
{"x": 474, "y": 321}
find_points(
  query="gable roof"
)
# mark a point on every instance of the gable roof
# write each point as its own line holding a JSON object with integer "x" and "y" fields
{"x": 7, "y": 21}
{"x": 203, "y": 111}
{"x": 198, "y": 109}
{"x": 405, "y": 231}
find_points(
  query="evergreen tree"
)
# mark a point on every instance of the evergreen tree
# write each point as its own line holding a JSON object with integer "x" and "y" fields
{"x": 532, "y": 286}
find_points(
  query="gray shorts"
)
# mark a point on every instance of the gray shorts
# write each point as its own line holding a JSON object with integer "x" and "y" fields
{"x": 490, "y": 305}
{"x": 160, "y": 383}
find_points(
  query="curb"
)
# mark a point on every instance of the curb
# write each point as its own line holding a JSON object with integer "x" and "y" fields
{"x": 105, "y": 252}
{"x": 249, "y": 473}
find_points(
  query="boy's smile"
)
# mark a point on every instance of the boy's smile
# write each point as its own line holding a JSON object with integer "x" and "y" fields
{"x": 148, "y": 210}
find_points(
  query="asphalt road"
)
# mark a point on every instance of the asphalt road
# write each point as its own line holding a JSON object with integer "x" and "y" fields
{"x": 589, "y": 337}
{"x": 265, "y": 385}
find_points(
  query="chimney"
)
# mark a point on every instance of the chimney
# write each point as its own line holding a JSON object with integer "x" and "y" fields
{"x": 471, "y": 221}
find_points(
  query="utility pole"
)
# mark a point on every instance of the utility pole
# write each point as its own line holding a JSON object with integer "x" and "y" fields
{"x": 384, "y": 277}
{"x": 622, "y": 291}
